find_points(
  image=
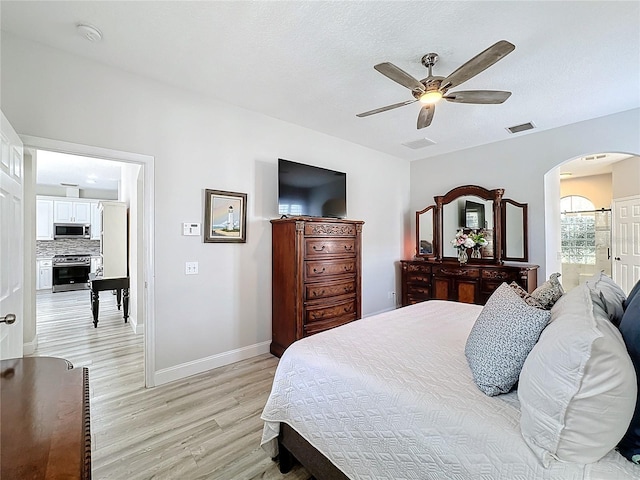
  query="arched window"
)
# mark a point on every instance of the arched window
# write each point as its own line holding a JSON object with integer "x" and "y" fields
{"x": 578, "y": 230}
{"x": 576, "y": 203}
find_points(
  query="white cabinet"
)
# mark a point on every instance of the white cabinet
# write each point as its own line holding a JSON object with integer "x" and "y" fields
{"x": 96, "y": 221}
{"x": 113, "y": 240}
{"x": 44, "y": 219}
{"x": 44, "y": 274}
{"x": 96, "y": 264}
{"x": 71, "y": 211}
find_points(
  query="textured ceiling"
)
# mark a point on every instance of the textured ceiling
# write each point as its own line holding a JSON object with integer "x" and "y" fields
{"x": 311, "y": 63}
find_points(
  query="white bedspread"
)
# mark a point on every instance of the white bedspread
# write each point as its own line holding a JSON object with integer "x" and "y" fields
{"x": 392, "y": 397}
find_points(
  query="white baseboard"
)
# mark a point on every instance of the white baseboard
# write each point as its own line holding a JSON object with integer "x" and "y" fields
{"x": 137, "y": 328}
{"x": 30, "y": 347}
{"x": 184, "y": 370}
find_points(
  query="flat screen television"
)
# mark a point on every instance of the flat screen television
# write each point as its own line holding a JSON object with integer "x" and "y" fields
{"x": 305, "y": 190}
{"x": 473, "y": 215}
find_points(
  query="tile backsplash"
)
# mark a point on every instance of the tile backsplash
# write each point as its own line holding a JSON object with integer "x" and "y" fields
{"x": 67, "y": 246}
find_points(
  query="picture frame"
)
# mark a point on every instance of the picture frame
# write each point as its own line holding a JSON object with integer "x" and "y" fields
{"x": 225, "y": 217}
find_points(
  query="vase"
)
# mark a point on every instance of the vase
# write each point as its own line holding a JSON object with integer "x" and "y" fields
{"x": 476, "y": 253}
{"x": 462, "y": 256}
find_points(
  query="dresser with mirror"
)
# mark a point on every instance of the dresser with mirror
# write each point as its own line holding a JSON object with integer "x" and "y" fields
{"x": 447, "y": 267}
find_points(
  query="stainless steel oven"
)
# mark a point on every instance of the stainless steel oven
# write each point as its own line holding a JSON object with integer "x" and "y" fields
{"x": 70, "y": 272}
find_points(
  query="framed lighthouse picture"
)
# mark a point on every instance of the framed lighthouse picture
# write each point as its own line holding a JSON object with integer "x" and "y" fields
{"x": 225, "y": 217}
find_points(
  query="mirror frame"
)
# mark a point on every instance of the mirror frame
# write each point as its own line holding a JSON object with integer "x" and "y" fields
{"x": 495, "y": 195}
{"x": 435, "y": 249}
{"x": 525, "y": 230}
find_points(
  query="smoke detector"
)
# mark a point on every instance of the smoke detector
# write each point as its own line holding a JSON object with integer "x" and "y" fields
{"x": 89, "y": 32}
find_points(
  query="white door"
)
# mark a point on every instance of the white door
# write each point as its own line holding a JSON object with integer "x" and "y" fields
{"x": 11, "y": 240}
{"x": 626, "y": 242}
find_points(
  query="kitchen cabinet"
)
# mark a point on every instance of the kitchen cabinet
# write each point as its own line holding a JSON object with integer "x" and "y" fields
{"x": 44, "y": 219}
{"x": 96, "y": 221}
{"x": 44, "y": 274}
{"x": 113, "y": 239}
{"x": 96, "y": 263}
{"x": 71, "y": 211}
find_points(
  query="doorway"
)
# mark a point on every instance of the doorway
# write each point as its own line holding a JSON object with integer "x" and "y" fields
{"x": 140, "y": 199}
{"x": 585, "y": 240}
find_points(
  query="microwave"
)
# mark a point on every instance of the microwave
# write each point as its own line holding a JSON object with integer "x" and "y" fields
{"x": 71, "y": 230}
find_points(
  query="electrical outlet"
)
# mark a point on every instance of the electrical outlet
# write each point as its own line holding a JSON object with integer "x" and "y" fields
{"x": 191, "y": 268}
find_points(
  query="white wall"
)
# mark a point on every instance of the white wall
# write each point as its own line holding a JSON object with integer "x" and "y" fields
{"x": 626, "y": 178}
{"x": 518, "y": 165}
{"x": 201, "y": 143}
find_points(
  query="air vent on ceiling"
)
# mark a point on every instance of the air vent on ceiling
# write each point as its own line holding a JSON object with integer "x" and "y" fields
{"x": 596, "y": 157}
{"x": 420, "y": 143}
{"x": 68, "y": 184}
{"x": 521, "y": 128}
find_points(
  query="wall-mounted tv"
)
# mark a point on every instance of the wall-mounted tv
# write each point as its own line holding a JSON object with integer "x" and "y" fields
{"x": 474, "y": 215}
{"x": 305, "y": 190}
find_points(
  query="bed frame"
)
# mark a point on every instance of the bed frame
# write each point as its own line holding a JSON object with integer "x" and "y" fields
{"x": 292, "y": 447}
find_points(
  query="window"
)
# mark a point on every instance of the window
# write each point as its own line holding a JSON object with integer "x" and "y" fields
{"x": 578, "y": 230}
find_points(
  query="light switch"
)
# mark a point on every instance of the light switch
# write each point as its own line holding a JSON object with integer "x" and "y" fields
{"x": 191, "y": 268}
{"x": 190, "y": 229}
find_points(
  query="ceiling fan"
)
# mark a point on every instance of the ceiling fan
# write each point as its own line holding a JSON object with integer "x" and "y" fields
{"x": 430, "y": 90}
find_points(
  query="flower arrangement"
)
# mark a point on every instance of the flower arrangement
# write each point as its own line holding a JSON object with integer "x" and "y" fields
{"x": 463, "y": 241}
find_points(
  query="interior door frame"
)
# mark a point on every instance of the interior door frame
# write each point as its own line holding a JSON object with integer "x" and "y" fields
{"x": 147, "y": 296}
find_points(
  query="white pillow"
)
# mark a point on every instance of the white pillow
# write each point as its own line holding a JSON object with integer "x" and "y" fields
{"x": 577, "y": 388}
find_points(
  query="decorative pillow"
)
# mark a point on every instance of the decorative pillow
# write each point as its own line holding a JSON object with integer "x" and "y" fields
{"x": 634, "y": 291}
{"x": 608, "y": 295}
{"x": 501, "y": 338}
{"x": 630, "y": 329}
{"x": 549, "y": 292}
{"x": 528, "y": 299}
{"x": 577, "y": 388}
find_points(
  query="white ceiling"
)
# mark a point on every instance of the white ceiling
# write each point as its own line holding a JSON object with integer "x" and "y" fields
{"x": 311, "y": 63}
{"x": 63, "y": 170}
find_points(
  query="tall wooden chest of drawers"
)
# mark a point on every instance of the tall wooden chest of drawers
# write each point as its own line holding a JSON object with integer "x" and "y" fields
{"x": 316, "y": 277}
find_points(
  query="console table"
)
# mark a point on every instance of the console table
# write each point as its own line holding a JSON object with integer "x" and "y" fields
{"x": 45, "y": 432}
{"x": 119, "y": 284}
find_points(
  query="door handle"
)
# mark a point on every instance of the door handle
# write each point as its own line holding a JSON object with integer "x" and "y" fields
{"x": 617, "y": 258}
{"x": 9, "y": 318}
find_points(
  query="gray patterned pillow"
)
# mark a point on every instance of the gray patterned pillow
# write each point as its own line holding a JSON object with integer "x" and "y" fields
{"x": 504, "y": 333}
{"x": 528, "y": 299}
{"x": 549, "y": 292}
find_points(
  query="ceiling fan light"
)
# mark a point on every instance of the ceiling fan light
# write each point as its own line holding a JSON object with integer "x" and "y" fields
{"x": 431, "y": 97}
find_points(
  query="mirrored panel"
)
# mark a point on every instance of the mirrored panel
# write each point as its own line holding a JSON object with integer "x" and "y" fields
{"x": 425, "y": 232}
{"x": 472, "y": 215}
{"x": 514, "y": 230}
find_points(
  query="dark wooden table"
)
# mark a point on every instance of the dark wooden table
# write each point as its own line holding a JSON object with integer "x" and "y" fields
{"x": 119, "y": 284}
{"x": 45, "y": 432}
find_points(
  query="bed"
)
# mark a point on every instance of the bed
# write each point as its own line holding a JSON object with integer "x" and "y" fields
{"x": 391, "y": 397}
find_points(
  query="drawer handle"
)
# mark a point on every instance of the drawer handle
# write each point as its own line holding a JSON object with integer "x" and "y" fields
{"x": 348, "y": 268}
{"x": 317, "y": 293}
{"x": 348, "y": 289}
{"x": 348, "y": 308}
{"x": 348, "y": 248}
{"x": 315, "y": 270}
{"x": 316, "y": 249}
{"x": 317, "y": 315}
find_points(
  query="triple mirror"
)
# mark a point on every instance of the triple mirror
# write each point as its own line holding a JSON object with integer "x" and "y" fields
{"x": 499, "y": 225}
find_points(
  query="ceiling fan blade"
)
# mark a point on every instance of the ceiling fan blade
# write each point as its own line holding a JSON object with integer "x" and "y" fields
{"x": 400, "y": 76}
{"x": 384, "y": 109}
{"x": 478, "y": 96}
{"x": 426, "y": 115}
{"x": 478, "y": 64}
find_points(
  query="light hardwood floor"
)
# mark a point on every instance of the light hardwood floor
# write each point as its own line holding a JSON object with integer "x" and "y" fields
{"x": 204, "y": 427}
